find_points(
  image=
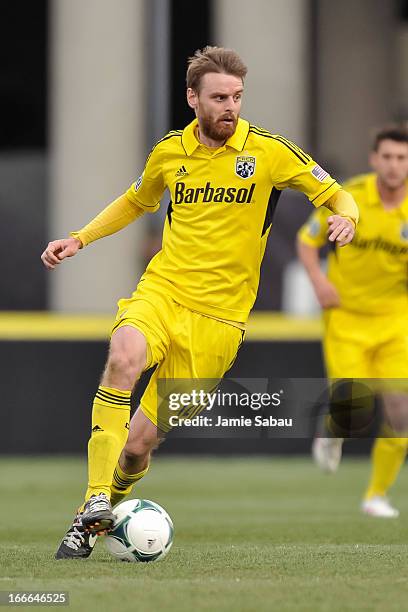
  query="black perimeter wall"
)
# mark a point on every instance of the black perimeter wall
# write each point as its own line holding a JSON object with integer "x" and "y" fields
{"x": 48, "y": 388}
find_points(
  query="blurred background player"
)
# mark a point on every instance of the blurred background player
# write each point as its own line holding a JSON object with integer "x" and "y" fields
{"x": 190, "y": 308}
{"x": 364, "y": 297}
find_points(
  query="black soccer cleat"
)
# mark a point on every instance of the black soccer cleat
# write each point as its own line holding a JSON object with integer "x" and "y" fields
{"x": 97, "y": 515}
{"x": 77, "y": 543}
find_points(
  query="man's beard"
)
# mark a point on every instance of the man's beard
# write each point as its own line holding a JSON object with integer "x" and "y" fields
{"x": 216, "y": 130}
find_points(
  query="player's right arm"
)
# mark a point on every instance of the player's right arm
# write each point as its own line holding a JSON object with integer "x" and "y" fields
{"x": 113, "y": 218}
{"x": 310, "y": 238}
{"x": 143, "y": 196}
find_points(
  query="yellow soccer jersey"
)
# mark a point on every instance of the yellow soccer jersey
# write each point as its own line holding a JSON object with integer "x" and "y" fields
{"x": 220, "y": 215}
{"x": 370, "y": 273}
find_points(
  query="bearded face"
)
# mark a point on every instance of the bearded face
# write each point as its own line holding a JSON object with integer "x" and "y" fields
{"x": 217, "y": 105}
{"x": 218, "y": 128}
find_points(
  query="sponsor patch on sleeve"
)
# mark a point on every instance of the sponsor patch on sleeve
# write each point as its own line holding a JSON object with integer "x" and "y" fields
{"x": 314, "y": 228}
{"x": 138, "y": 182}
{"x": 319, "y": 173}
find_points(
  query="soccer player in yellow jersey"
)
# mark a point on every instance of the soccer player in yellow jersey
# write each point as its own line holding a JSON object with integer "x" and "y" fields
{"x": 365, "y": 302}
{"x": 190, "y": 307}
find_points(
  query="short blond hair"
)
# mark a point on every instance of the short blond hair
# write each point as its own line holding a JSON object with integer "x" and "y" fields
{"x": 213, "y": 59}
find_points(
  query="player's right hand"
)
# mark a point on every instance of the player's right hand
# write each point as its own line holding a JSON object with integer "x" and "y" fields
{"x": 326, "y": 293}
{"x": 58, "y": 250}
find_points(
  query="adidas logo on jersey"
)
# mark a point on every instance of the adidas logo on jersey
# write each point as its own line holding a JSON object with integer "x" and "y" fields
{"x": 181, "y": 171}
{"x": 97, "y": 428}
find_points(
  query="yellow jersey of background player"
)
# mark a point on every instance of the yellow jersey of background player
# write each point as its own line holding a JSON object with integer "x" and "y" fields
{"x": 365, "y": 297}
{"x": 370, "y": 276}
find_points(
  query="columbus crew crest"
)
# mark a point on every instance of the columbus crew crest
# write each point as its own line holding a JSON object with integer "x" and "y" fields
{"x": 245, "y": 166}
{"x": 404, "y": 231}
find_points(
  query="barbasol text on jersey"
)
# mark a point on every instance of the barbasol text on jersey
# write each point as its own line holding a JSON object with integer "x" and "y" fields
{"x": 209, "y": 193}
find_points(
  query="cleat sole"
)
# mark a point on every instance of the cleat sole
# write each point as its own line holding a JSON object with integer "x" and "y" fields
{"x": 103, "y": 525}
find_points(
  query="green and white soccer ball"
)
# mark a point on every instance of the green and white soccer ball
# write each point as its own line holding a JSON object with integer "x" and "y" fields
{"x": 142, "y": 531}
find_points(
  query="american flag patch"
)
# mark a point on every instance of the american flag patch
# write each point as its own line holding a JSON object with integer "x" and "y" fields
{"x": 319, "y": 173}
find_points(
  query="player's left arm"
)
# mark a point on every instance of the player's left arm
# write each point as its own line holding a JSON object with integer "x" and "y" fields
{"x": 297, "y": 170}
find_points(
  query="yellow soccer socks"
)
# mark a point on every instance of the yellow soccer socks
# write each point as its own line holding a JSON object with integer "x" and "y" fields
{"x": 110, "y": 428}
{"x": 388, "y": 455}
{"x": 122, "y": 483}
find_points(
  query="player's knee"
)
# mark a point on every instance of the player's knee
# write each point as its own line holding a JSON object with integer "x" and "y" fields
{"x": 125, "y": 366}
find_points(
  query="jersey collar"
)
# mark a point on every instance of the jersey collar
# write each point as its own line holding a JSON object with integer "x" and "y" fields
{"x": 237, "y": 140}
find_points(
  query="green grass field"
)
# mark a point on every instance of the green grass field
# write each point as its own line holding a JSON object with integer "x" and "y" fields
{"x": 250, "y": 534}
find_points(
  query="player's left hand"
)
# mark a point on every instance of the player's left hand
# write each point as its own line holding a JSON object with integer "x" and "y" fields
{"x": 340, "y": 230}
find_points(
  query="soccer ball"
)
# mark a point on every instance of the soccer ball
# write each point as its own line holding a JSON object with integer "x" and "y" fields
{"x": 142, "y": 531}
